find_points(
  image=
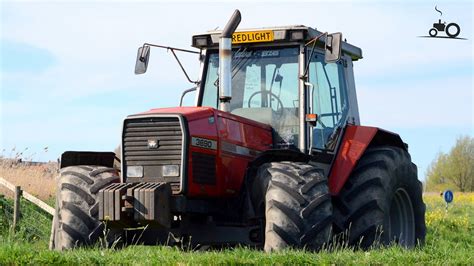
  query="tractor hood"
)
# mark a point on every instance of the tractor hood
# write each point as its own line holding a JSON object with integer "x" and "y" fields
{"x": 196, "y": 113}
{"x": 191, "y": 113}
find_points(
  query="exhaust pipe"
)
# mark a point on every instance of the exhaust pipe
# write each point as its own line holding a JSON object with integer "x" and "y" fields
{"x": 225, "y": 62}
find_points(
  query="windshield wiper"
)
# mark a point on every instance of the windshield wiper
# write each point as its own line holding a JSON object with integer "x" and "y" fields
{"x": 313, "y": 41}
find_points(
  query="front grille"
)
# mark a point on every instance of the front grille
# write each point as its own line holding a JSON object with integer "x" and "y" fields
{"x": 204, "y": 168}
{"x": 138, "y": 133}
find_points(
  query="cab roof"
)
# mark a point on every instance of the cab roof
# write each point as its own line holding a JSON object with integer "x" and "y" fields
{"x": 281, "y": 34}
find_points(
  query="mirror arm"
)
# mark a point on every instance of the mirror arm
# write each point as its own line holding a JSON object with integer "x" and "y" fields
{"x": 313, "y": 41}
{"x": 173, "y": 49}
{"x": 170, "y": 48}
{"x": 184, "y": 93}
{"x": 182, "y": 68}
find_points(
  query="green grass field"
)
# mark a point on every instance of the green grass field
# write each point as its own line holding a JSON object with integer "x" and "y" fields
{"x": 450, "y": 240}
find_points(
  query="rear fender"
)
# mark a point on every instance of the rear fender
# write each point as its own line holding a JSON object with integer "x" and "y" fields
{"x": 354, "y": 143}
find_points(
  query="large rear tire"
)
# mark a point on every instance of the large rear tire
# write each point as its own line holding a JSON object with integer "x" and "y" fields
{"x": 75, "y": 222}
{"x": 451, "y": 34}
{"x": 297, "y": 206}
{"x": 382, "y": 203}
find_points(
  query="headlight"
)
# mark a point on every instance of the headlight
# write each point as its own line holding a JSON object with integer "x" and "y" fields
{"x": 201, "y": 41}
{"x": 297, "y": 35}
{"x": 135, "y": 171}
{"x": 171, "y": 170}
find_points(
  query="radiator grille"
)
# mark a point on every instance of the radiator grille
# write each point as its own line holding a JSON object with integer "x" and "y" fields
{"x": 204, "y": 168}
{"x": 137, "y": 136}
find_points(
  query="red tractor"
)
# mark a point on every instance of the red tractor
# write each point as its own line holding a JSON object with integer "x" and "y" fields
{"x": 273, "y": 156}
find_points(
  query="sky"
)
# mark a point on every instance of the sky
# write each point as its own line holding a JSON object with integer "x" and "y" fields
{"x": 67, "y": 81}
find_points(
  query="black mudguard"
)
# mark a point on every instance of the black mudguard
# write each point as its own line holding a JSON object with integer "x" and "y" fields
{"x": 71, "y": 158}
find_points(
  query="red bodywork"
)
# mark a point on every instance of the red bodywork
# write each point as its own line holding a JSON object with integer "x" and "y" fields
{"x": 239, "y": 140}
{"x": 354, "y": 143}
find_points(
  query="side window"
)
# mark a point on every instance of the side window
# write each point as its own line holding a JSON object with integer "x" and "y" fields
{"x": 329, "y": 98}
{"x": 210, "y": 93}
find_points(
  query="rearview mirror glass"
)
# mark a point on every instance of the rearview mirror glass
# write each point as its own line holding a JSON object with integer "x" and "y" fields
{"x": 143, "y": 56}
{"x": 333, "y": 47}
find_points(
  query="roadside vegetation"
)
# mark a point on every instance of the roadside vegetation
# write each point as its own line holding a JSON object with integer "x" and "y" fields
{"x": 453, "y": 170}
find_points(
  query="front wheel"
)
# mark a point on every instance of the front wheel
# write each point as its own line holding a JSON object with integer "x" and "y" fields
{"x": 382, "y": 203}
{"x": 433, "y": 32}
{"x": 75, "y": 222}
{"x": 295, "y": 200}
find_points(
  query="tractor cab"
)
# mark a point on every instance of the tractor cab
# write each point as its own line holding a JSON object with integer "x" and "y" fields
{"x": 281, "y": 77}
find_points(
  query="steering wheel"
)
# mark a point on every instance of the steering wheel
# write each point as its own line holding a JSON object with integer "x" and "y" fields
{"x": 279, "y": 108}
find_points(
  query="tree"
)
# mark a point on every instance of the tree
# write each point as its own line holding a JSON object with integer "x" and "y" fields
{"x": 456, "y": 167}
{"x": 436, "y": 172}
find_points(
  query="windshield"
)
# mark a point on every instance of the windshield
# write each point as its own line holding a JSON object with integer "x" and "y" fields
{"x": 264, "y": 88}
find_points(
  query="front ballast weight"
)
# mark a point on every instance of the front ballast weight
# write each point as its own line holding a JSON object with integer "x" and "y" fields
{"x": 140, "y": 202}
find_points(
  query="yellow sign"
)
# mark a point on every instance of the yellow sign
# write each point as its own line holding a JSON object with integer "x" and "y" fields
{"x": 252, "y": 36}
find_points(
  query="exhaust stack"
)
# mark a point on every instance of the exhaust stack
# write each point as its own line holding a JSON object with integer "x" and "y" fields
{"x": 225, "y": 62}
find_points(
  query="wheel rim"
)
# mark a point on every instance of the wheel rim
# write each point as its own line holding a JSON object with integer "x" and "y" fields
{"x": 402, "y": 219}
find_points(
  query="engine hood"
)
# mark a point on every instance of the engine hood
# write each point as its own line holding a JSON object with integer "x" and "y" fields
{"x": 195, "y": 113}
{"x": 191, "y": 113}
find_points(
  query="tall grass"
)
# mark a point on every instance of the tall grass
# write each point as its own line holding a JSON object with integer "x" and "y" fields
{"x": 34, "y": 225}
{"x": 450, "y": 240}
{"x": 38, "y": 180}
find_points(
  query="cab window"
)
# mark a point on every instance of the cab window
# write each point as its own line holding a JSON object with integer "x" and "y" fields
{"x": 329, "y": 100}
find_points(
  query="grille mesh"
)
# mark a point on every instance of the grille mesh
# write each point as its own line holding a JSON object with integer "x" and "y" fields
{"x": 204, "y": 168}
{"x": 167, "y": 132}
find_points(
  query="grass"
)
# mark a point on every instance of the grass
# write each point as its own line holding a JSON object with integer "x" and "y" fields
{"x": 450, "y": 240}
{"x": 25, "y": 253}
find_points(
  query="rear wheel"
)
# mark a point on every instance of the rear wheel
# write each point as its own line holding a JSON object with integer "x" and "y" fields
{"x": 75, "y": 222}
{"x": 455, "y": 33}
{"x": 297, "y": 208}
{"x": 382, "y": 203}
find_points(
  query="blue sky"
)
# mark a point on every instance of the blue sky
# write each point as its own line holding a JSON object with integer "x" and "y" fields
{"x": 67, "y": 77}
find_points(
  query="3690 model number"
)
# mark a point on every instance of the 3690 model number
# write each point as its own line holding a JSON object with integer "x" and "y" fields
{"x": 204, "y": 143}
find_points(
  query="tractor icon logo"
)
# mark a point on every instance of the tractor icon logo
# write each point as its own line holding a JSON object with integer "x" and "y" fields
{"x": 451, "y": 30}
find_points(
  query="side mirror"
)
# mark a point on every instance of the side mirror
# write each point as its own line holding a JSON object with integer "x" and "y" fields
{"x": 143, "y": 55}
{"x": 333, "y": 47}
